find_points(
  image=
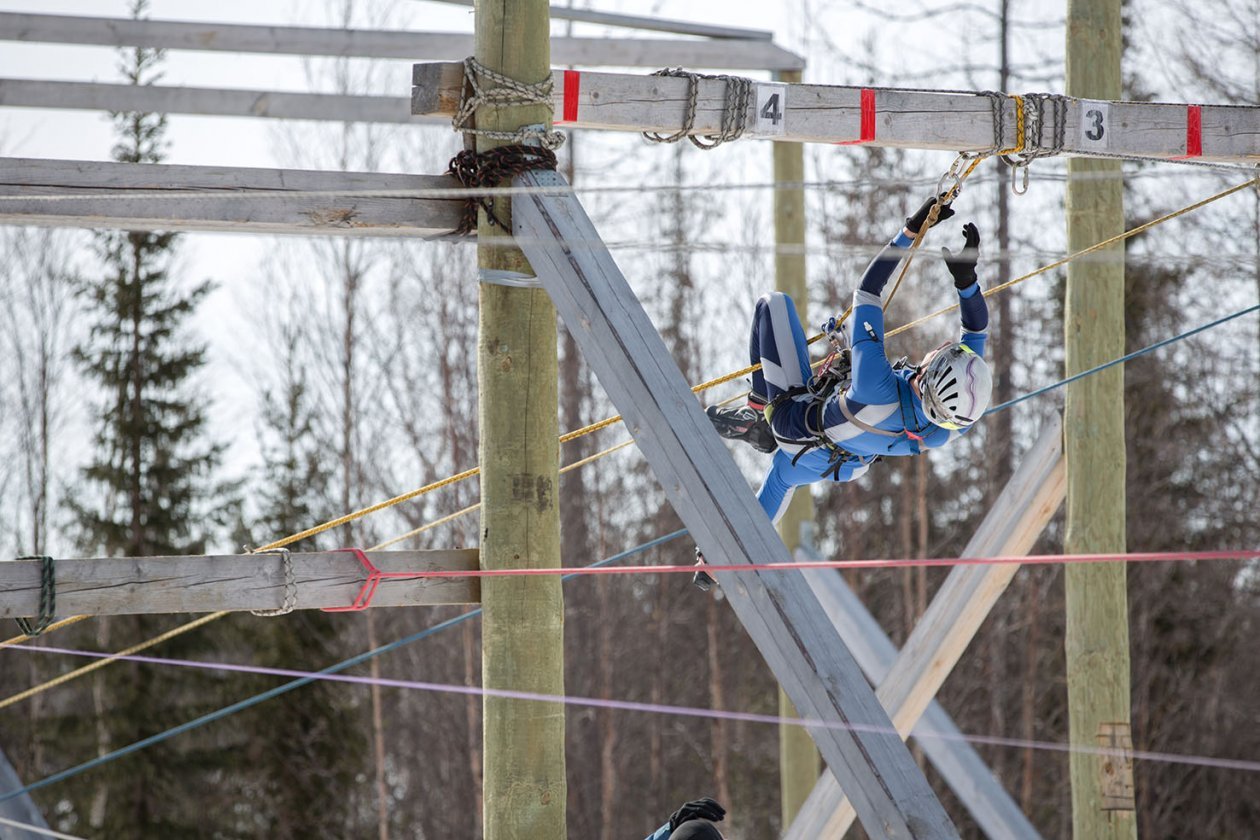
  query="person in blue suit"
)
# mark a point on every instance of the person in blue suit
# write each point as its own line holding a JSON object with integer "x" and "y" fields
{"x": 860, "y": 407}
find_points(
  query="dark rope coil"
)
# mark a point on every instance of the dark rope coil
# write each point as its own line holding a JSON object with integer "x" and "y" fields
{"x": 486, "y": 170}
{"x": 47, "y": 597}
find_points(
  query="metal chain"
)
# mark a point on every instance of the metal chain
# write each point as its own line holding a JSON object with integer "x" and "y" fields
{"x": 736, "y": 101}
{"x": 47, "y": 597}
{"x": 484, "y": 171}
{"x": 506, "y": 92}
{"x": 290, "y": 584}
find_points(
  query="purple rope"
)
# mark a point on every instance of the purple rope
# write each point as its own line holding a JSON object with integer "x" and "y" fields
{"x": 662, "y": 708}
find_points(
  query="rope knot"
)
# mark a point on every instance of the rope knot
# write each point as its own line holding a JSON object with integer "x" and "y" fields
{"x": 502, "y": 93}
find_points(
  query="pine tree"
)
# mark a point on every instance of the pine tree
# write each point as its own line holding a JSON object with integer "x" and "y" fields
{"x": 149, "y": 489}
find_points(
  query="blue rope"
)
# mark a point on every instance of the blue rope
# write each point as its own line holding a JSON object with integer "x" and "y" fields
{"x": 298, "y": 683}
{"x": 446, "y": 625}
{"x": 1121, "y": 360}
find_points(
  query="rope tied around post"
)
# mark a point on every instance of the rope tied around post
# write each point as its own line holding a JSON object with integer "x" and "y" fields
{"x": 47, "y": 597}
{"x": 290, "y": 584}
{"x": 484, "y": 171}
{"x": 505, "y": 93}
{"x": 735, "y": 106}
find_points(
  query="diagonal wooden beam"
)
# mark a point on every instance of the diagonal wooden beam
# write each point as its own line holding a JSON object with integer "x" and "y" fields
{"x": 132, "y": 585}
{"x": 911, "y": 119}
{"x": 71, "y": 193}
{"x": 386, "y": 44}
{"x": 1011, "y": 528}
{"x": 711, "y": 496}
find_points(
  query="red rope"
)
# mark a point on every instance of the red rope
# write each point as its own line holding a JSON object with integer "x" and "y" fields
{"x": 1029, "y": 560}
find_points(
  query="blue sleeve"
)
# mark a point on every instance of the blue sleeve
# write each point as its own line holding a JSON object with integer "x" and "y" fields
{"x": 661, "y": 833}
{"x": 872, "y": 374}
{"x": 974, "y": 311}
{"x": 881, "y": 268}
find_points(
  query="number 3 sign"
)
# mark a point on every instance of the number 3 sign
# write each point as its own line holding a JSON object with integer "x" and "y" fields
{"x": 1094, "y": 127}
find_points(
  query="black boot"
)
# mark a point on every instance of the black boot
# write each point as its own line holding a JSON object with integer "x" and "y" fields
{"x": 701, "y": 579}
{"x": 743, "y": 423}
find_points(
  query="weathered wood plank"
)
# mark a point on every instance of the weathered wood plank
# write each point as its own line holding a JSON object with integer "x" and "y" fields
{"x": 954, "y": 759}
{"x": 133, "y": 197}
{"x": 899, "y": 118}
{"x": 130, "y": 585}
{"x": 680, "y": 27}
{"x": 1011, "y": 528}
{"x": 215, "y": 102}
{"x": 779, "y": 611}
{"x": 370, "y": 43}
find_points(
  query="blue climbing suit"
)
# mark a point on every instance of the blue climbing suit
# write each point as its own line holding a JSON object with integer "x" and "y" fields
{"x": 879, "y": 396}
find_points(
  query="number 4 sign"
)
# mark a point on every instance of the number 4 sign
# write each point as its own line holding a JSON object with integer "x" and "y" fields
{"x": 1094, "y": 126}
{"x": 770, "y": 107}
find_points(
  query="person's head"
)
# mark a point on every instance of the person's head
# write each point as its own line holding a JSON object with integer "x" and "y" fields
{"x": 696, "y": 830}
{"x": 955, "y": 384}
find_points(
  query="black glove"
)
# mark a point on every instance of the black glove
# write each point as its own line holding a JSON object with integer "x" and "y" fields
{"x": 963, "y": 266}
{"x": 697, "y": 809}
{"x": 915, "y": 222}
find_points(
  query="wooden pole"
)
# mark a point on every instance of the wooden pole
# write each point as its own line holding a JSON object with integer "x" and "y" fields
{"x": 799, "y": 760}
{"x": 523, "y": 619}
{"x": 1097, "y": 635}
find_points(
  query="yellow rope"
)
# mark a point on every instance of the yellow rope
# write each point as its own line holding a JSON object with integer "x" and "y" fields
{"x": 1019, "y": 127}
{"x": 578, "y": 433}
{"x": 101, "y": 663}
{"x": 56, "y": 625}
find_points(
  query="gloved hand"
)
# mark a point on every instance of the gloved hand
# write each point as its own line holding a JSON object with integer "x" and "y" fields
{"x": 697, "y": 809}
{"x": 963, "y": 265}
{"x": 915, "y": 222}
{"x": 836, "y": 332}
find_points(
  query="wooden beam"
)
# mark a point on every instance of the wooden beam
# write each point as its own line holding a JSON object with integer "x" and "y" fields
{"x": 711, "y": 496}
{"x": 21, "y": 809}
{"x": 679, "y": 27}
{"x": 911, "y": 119}
{"x": 212, "y": 102}
{"x": 386, "y": 44}
{"x": 955, "y": 760}
{"x": 134, "y": 585}
{"x": 1011, "y": 528}
{"x": 90, "y": 194}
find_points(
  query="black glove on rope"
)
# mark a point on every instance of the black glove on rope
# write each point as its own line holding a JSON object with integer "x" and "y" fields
{"x": 963, "y": 266}
{"x": 697, "y": 809}
{"x": 915, "y": 222}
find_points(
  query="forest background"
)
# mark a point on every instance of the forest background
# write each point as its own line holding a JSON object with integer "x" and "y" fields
{"x": 292, "y": 380}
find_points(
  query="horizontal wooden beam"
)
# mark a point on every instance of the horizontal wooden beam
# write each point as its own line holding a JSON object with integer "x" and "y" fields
{"x": 210, "y": 102}
{"x": 385, "y": 44}
{"x": 1011, "y": 528}
{"x": 780, "y": 612}
{"x": 90, "y": 194}
{"x": 678, "y": 27}
{"x": 911, "y": 119}
{"x": 132, "y": 585}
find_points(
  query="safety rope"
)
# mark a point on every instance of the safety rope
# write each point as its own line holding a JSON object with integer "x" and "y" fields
{"x": 350, "y": 517}
{"x": 506, "y": 92}
{"x": 737, "y": 99}
{"x": 47, "y": 597}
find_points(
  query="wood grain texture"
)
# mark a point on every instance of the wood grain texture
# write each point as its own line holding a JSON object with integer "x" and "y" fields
{"x": 92, "y": 194}
{"x": 136, "y": 585}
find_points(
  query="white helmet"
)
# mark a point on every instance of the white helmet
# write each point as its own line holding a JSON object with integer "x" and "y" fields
{"x": 957, "y": 385}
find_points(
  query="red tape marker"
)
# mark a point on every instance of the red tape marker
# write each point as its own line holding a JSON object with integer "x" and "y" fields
{"x": 1194, "y": 133}
{"x": 866, "y": 133}
{"x": 572, "y": 87}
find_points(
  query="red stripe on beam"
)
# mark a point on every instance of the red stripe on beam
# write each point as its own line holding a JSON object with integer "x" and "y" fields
{"x": 1194, "y": 133}
{"x": 572, "y": 87}
{"x": 866, "y": 131}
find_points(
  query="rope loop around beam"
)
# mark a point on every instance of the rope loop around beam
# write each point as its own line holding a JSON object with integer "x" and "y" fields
{"x": 47, "y": 597}
{"x": 502, "y": 92}
{"x": 735, "y": 105}
{"x": 290, "y": 584}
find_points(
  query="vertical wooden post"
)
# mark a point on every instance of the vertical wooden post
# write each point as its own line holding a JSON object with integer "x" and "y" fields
{"x": 799, "y": 761}
{"x": 1097, "y": 637}
{"x": 523, "y": 619}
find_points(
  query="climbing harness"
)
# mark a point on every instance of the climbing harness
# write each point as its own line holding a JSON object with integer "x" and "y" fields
{"x": 735, "y": 106}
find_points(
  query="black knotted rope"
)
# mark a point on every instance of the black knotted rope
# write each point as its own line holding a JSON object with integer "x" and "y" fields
{"x": 47, "y": 597}
{"x": 486, "y": 170}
